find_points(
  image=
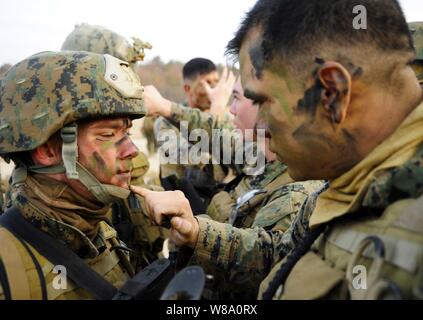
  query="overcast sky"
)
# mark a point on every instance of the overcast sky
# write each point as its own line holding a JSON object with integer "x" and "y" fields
{"x": 178, "y": 30}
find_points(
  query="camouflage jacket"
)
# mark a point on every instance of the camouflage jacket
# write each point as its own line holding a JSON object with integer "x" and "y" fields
{"x": 239, "y": 259}
{"x": 390, "y": 215}
{"x": 223, "y": 203}
{"x": 190, "y": 119}
{"x": 95, "y": 244}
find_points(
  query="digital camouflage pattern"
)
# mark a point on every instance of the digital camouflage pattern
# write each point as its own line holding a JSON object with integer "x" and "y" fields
{"x": 98, "y": 39}
{"x": 224, "y": 202}
{"x": 49, "y": 90}
{"x": 196, "y": 119}
{"x": 47, "y": 204}
{"x": 390, "y": 212}
{"x": 239, "y": 259}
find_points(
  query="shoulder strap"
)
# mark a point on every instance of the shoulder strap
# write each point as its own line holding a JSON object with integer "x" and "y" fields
{"x": 58, "y": 254}
{"x": 15, "y": 270}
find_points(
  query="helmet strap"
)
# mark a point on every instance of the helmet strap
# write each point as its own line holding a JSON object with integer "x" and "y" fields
{"x": 69, "y": 136}
{"x": 105, "y": 193}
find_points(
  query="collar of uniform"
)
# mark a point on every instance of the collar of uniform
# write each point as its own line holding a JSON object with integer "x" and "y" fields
{"x": 347, "y": 192}
{"x": 272, "y": 170}
{"x": 73, "y": 238}
{"x": 48, "y": 220}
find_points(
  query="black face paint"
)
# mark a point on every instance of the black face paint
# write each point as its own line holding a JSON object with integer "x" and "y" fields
{"x": 303, "y": 132}
{"x": 320, "y": 61}
{"x": 311, "y": 100}
{"x": 101, "y": 163}
{"x": 257, "y": 59}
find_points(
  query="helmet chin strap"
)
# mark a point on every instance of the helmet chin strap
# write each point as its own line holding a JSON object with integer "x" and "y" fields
{"x": 105, "y": 193}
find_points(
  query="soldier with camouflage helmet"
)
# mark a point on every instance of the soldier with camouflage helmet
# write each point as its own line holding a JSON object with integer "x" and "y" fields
{"x": 416, "y": 29}
{"x": 97, "y": 39}
{"x": 86, "y": 37}
{"x": 64, "y": 122}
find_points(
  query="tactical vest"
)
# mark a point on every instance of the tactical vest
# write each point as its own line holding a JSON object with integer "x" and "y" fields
{"x": 223, "y": 203}
{"x": 28, "y": 273}
{"x": 362, "y": 257}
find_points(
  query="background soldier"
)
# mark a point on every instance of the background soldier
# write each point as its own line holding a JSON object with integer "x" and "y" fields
{"x": 209, "y": 94}
{"x": 128, "y": 218}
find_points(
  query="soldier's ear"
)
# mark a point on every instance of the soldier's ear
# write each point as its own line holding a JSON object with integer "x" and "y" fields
{"x": 49, "y": 154}
{"x": 336, "y": 94}
{"x": 187, "y": 88}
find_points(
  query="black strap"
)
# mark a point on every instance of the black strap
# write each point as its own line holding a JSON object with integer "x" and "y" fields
{"x": 58, "y": 254}
{"x": 234, "y": 182}
{"x": 295, "y": 255}
{"x": 4, "y": 282}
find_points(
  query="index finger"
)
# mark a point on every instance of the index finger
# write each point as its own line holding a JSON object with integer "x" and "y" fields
{"x": 142, "y": 192}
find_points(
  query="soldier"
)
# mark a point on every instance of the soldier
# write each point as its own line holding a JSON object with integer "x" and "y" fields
{"x": 65, "y": 119}
{"x": 137, "y": 232}
{"x": 207, "y": 93}
{"x": 417, "y": 32}
{"x": 337, "y": 111}
{"x": 97, "y": 39}
{"x": 243, "y": 220}
{"x": 100, "y": 40}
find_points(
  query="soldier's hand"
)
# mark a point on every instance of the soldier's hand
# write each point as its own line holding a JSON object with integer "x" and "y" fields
{"x": 220, "y": 94}
{"x": 155, "y": 103}
{"x": 173, "y": 204}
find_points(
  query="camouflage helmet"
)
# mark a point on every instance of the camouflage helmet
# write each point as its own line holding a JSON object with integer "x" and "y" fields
{"x": 416, "y": 29}
{"x": 97, "y": 39}
{"x": 51, "y": 91}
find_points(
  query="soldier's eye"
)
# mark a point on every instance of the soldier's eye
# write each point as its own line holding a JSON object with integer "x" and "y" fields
{"x": 258, "y": 103}
{"x": 105, "y": 136}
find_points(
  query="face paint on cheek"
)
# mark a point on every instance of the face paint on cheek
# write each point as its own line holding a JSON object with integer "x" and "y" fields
{"x": 101, "y": 164}
{"x": 106, "y": 145}
{"x": 99, "y": 160}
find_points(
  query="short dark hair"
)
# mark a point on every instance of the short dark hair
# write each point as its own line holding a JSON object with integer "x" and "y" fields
{"x": 297, "y": 28}
{"x": 197, "y": 67}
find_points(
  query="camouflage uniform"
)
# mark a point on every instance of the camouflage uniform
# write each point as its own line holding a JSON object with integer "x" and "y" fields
{"x": 417, "y": 32}
{"x": 381, "y": 231}
{"x": 224, "y": 203}
{"x": 38, "y": 96}
{"x": 194, "y": 119}
{"x": 239, "y": 258}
